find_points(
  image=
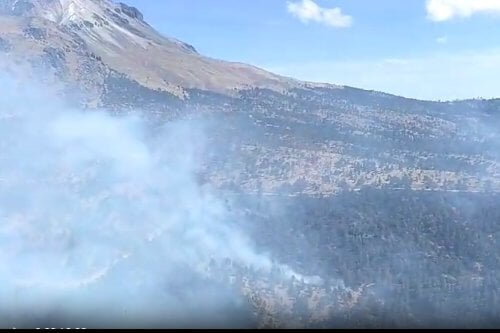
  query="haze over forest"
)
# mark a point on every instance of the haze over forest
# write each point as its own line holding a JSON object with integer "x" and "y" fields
{"x": 144, "y": 184}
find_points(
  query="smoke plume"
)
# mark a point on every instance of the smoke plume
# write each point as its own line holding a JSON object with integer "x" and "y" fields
{"x": 103, "y": 224}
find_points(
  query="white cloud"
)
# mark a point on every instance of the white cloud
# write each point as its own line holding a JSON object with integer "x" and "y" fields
{"x": 444, "y": 75}
{"x": 308, "y": 10}
{"x": 442, "y": 40}
{"x": 444, "y": 10}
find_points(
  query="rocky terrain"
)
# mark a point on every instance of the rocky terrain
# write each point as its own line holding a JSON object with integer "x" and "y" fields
{"x": 393, "y": 199}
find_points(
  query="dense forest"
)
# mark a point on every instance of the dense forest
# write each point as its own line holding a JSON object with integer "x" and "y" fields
{"x": 431, "y": 259}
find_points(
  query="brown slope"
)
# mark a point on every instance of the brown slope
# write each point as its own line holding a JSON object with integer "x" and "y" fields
{"x": 118, "y": 35}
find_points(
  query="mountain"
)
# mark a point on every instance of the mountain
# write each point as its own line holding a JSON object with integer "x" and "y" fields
{"x": 78, "y": 33}
{"x": 396, "y": 196}
{"x": 310, "y": 138}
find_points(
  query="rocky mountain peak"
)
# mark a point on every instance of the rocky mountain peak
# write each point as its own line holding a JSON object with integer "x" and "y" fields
{"x": 131, "y": 11}
{"x": 66, "y": 11}
{"x": 117, "y": 34}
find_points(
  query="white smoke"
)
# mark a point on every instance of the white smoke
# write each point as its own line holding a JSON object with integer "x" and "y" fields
{"x": 104, "y": 224}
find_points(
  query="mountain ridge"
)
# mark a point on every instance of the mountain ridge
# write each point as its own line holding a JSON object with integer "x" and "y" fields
{"x": 118, "y": 35}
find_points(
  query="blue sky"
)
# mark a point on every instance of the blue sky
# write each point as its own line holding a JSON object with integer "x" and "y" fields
{"x": 429, "y": 49}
